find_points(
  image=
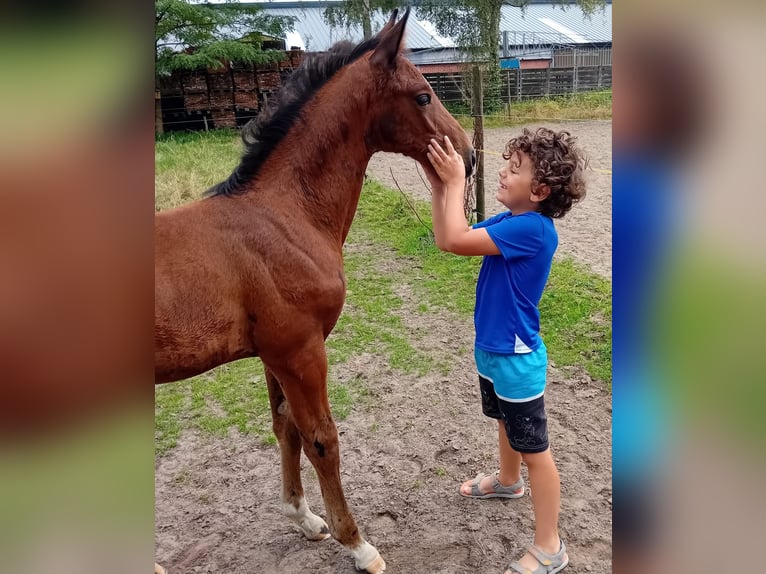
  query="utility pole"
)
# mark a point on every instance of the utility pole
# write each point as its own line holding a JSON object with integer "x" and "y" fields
{"x": 478, "y": 141}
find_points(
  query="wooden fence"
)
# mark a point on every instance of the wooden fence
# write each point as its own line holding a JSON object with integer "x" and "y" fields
{"x": 521, "y": 84}
{"x": 205, "y": 99}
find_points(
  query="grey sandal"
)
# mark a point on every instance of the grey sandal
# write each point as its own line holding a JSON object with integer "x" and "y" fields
{"x": 549, "y": 563}
{"x": 498, "y": 490}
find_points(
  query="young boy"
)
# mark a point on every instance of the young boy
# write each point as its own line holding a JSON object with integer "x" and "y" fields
{"x": 542, "y": 179}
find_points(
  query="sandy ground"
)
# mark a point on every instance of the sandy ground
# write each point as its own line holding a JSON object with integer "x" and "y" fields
{"x": 406, "y": 449}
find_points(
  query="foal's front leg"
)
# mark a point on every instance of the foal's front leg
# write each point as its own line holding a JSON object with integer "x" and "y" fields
{"x": 303, "y": 378}
{"x": 293, "y": 501}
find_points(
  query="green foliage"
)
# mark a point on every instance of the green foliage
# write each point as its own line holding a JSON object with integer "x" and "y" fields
{"x": 191, "y": 36}
{"x": 358, "y": 12}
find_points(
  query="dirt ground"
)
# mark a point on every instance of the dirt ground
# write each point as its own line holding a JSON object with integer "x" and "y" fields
{"x": 402, "y": 460}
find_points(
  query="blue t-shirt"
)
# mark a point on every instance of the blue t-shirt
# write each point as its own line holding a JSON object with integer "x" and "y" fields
{"x": 510, "y": 285}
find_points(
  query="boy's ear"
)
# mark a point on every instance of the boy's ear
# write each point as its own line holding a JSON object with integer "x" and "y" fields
{"x": 540, "y": 194}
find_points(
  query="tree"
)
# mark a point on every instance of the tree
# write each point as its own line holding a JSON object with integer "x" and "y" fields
{"x": 192, "y": 36}
{"x": 358, "y": 12}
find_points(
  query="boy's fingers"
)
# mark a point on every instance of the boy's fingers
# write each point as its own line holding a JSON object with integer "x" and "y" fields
{"x": 437, "y": 149}
{"x": 448, "y": 145}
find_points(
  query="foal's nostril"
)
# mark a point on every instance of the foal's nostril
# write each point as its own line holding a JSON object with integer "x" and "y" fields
{"x": 473, "y": 158}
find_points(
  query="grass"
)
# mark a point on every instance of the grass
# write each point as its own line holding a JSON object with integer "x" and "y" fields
{"x": 188, "y": 163}
{"x": 232, "y": 396}
{"x": 582, "y": 106}
{"x": 388, "y": 249}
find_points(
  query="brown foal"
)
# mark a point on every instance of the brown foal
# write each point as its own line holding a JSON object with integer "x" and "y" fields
{"x": 256, "y": 267}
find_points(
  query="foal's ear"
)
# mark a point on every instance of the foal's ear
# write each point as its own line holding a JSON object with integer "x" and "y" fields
{"x": 391, "y": 42}
{"x": 387, "y": 26}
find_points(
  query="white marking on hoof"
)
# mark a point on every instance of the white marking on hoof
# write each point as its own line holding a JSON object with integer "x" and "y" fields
{"x": 367, "y": 558}
{"x": 312, "y": 526}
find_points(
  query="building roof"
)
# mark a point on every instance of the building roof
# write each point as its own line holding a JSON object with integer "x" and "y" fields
{"x": 547, "y": 23}
{"x": 313, "y": 34}
{"x": 539, "y": 23}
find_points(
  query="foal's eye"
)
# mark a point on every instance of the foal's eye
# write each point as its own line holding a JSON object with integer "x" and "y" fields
{"x": 423, "y": 99}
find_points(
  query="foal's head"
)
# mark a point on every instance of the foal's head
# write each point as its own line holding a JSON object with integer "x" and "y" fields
{"x": 405, "y": 111}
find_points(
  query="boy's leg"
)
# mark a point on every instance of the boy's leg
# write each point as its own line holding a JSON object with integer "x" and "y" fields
{"x": 546, "y": 496}
{"x": 510, "y": 465}
{"x": 510, "y": 460}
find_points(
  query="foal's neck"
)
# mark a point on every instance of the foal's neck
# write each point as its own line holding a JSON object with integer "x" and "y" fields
{"x": 327, "y": 155}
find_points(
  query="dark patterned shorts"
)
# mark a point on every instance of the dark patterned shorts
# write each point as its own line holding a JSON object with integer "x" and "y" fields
{"x": 526, "y": 424}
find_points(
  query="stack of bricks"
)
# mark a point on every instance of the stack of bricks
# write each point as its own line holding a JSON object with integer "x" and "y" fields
{"x": 220, "y": 84}
{"x": 170, "y": 85}
{"x": 195, "y": 91}
{"x": 223, "y": 118}
{"x": 245, "y": 91}
{"x": 232, "y": 92}
{"x": 268, "y": 80}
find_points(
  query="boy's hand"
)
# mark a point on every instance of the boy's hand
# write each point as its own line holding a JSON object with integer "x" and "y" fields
{"x": 447, "y": 163}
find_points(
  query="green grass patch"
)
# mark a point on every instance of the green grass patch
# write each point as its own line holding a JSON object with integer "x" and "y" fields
{"x": 230, "y": 396}
{"x": 385, "y": 217}
{"x": 186, "y": 164}
{"x": 576, "y": 319}
{"x": 369, "y": 321}
{"x": 582, "y": 106}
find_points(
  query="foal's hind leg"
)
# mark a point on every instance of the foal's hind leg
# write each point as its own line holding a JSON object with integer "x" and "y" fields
{"x": 303, "y": 377}
{"x": 293, "y": 502}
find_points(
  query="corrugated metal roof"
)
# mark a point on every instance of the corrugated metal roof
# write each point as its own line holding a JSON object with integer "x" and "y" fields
{"x": 318, "y": 36}
{"x": 556, "y": 24}
{"x": 539, "y": 23}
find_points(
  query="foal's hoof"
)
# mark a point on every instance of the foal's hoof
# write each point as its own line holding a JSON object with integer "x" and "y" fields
{"x": 367, "y": 558}
{"x": 159, "y": 569}
{"x": 317, "y": 535}
{"x": 377, "y": 566}
{"x": 314, "y": 528}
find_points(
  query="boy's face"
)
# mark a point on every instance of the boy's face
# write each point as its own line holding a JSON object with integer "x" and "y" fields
{"x": 514, "y": 190}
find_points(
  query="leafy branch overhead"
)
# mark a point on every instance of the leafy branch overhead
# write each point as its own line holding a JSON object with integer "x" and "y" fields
{"x": 191, "y": 36}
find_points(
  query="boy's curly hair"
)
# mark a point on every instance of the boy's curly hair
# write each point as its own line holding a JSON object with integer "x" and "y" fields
{"x": 557, "y": 162}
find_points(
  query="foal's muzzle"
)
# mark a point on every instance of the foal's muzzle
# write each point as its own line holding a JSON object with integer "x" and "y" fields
{"x": 470, "y": 165}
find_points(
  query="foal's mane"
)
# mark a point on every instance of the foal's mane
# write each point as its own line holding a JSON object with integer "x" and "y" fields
{"x": 262, "y": 134}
